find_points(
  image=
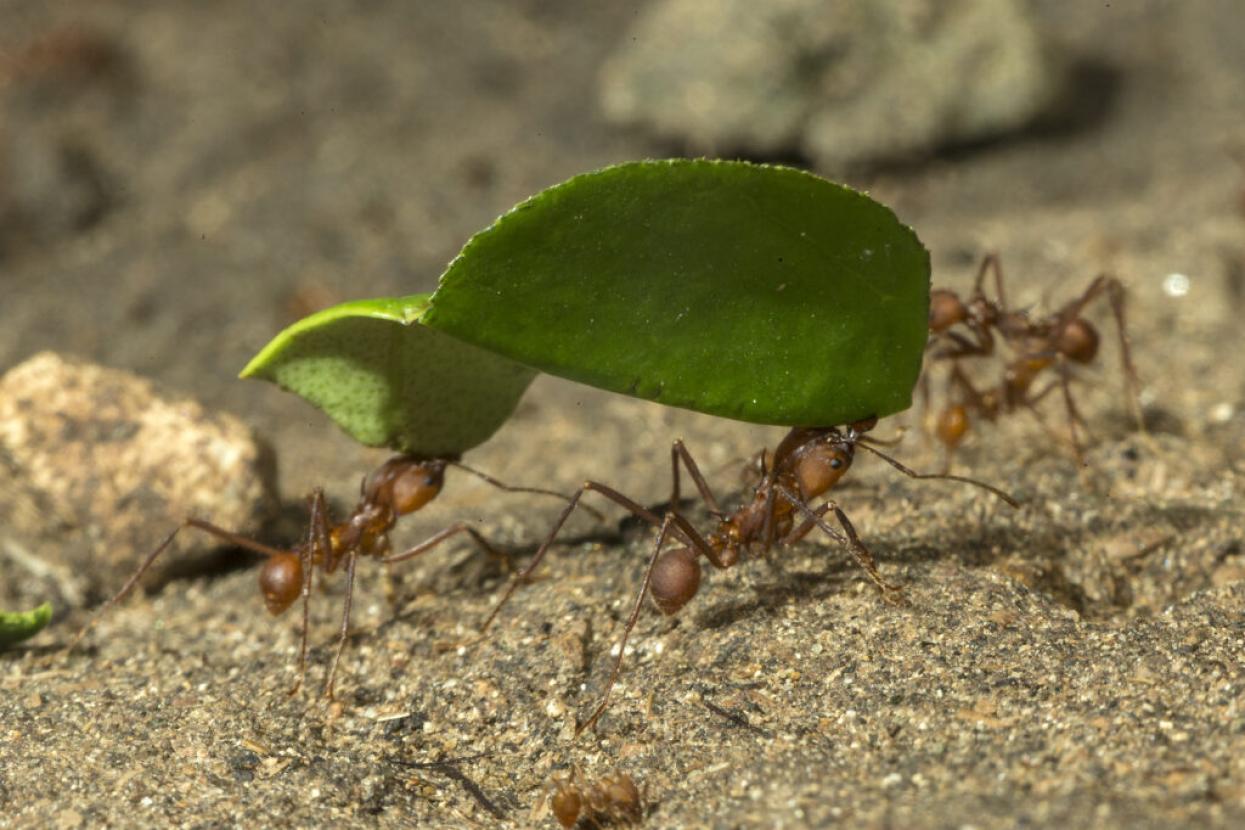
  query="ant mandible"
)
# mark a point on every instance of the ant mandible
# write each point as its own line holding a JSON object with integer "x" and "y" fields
{"x": 1056, "y": 341}
{"x": 400, "y": 486}
{"x": 807, "y": 463}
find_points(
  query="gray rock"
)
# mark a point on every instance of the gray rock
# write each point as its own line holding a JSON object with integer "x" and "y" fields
{"x": 845, "y": 81}
{"x": 97, "y": 468}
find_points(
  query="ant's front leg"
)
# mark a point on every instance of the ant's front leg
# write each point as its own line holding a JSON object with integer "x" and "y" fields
{"x": 849, "y": 537}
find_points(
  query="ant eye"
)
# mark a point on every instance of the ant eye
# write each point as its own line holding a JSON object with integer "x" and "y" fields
{"x": 836, "y": 463}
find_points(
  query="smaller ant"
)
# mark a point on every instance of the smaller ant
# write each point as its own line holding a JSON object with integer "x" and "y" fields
{"x": 400, "y": 486}
{"x": 807, "y": 463}
{"x": 1057, "y": 341}
{"x": 613, "y": 799}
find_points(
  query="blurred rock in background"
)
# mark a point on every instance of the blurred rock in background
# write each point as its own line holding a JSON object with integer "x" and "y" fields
{"x": 841, "y": 81}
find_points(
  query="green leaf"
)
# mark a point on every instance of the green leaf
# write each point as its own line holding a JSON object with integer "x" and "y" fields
{"x": 15, "y": 627}
{"x": 753, "y": 292}
{"x": 389, "y": 381}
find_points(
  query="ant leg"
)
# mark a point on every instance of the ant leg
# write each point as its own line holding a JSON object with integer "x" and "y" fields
{"x": 631, "y": 621}
{"x": 437, "y": 538}
{"x": 317, "y": 541}
{"x": 510, "y": 488}
{"x": 804, "y": 529}
{"x": 1115, "y": 296}
{"x": 351, "y": 558}
{"x": 859, "y": 552}
{"x": 1074, "y": 415}
{"x": 220, "y": 533}
{"x": 679, "y": 451}
{"x": 991, "y": 263}
{"x": 685, "y": 529}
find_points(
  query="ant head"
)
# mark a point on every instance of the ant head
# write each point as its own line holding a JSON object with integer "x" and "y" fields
{"x": 945, "y": 310}
{"x": 823, "y": 464}
{"x": 1078, "y": 341}
{"x": 405, "y": 484}
{"x": 675, "y": 579}
{"x": 281, "y": 581}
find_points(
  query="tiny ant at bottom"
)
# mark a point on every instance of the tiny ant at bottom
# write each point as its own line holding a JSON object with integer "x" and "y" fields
{"x": 400, "y": 486}
{"x": 807, "y": 463}
{"x": 612, "y": 799}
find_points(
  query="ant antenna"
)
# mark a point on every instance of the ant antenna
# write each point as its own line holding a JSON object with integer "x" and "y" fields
{"x": 510, "y": 488}
{"x": 865, "y": 442}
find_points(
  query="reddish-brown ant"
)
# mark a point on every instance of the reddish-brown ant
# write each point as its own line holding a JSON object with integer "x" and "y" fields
{"x": 1057, "y": 341}
{"x": 805, "y": 465}
{"x": 400, "y": 486}
{"x": 613, "y": 799}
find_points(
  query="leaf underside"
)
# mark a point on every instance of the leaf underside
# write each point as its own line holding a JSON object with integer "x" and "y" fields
{"x": 389, "y": 381}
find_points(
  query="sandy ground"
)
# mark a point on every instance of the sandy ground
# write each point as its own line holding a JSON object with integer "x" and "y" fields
{"x": 1076, "y": 662}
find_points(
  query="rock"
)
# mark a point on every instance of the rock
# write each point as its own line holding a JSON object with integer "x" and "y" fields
{"x": 96, "y": 468}
{"x": 845, "y": 82}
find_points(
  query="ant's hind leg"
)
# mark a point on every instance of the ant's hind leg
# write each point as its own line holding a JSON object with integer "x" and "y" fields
{"x": 1115, "y": 296}
{"x": 448, "y": 533}
{"x": 631, "y": 621}
{"x": 351, "y": 559}
{"x": 317, "y": 541}
{"x": 685, "y": 530}
{"x": 125, "y": 589}
{"x": 132, "y": 582}
{"x": 539, "y": 556}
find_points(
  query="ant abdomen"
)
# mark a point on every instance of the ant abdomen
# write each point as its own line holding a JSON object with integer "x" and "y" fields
{"x": 1078, "y": 341}
{"x": 281, "y": 581}
{"x": 675, "y": 579}
{"x": 952, "y": 425}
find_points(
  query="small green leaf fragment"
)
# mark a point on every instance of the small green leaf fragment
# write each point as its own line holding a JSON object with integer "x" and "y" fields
{"x": 22, "y": 625}
{"x": 389, "y": 381}
{"x": 754, "y": 292}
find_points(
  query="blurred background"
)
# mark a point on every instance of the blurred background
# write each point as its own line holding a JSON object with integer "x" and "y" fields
{"x": 180, "y": 180}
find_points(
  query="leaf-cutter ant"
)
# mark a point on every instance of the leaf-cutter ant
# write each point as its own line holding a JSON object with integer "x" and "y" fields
{"x": 613, "y": 799}
{"x": 807, "y": 463}
{"x": 962, "y": 329}
{"x": 400, "y": 486}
